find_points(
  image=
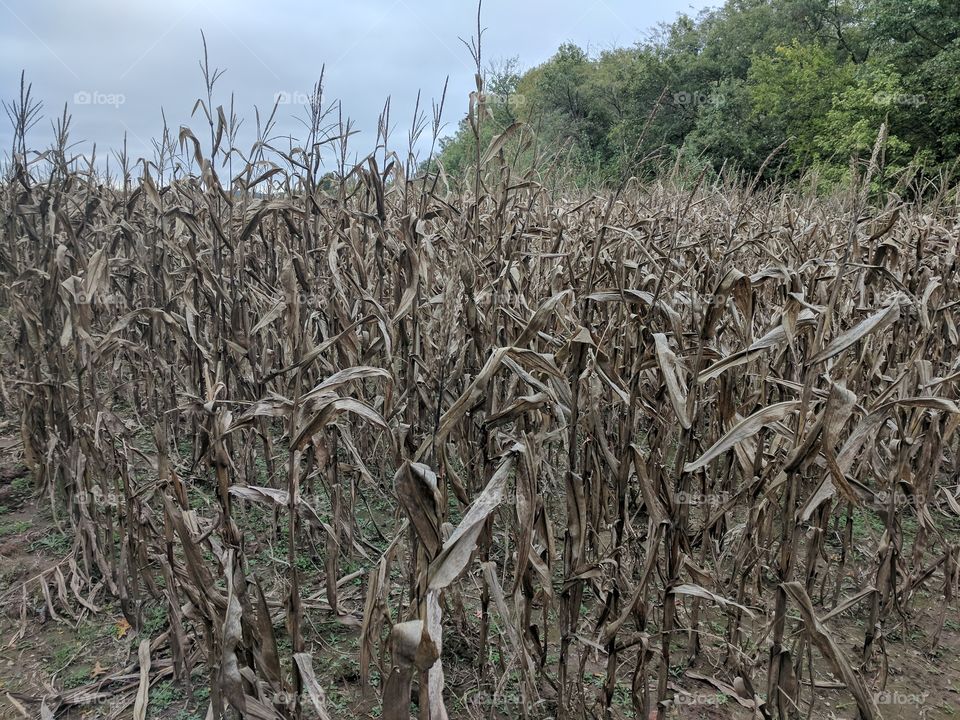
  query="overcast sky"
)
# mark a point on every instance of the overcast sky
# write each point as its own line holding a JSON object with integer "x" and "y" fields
{"x": 116, "y": 63}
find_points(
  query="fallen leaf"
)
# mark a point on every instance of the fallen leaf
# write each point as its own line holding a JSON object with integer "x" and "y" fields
{"x": 123, "y": 627}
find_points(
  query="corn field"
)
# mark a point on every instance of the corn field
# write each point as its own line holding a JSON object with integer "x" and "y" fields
{"x": 581, "y": 450}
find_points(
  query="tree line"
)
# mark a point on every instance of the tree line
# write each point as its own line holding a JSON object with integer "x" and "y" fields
{"x": 784, "y": 87}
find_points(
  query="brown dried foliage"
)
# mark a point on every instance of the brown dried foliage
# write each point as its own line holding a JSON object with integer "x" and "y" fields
{"x": 591, "y": 423}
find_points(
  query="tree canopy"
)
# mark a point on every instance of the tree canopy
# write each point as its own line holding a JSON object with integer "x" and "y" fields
{"x": 729, "y": 86}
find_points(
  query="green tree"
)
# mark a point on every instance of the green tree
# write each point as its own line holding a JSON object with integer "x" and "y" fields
{"x": 921, "y": 39}
{"x": 850, "y": 127}
{"x": 729, "y": 85}
{"x": 793, "y": 90}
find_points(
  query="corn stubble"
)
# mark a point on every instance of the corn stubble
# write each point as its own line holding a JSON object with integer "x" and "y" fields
{"x": 623, "y": 437}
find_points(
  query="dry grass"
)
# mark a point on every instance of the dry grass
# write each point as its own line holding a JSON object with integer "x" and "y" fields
{"x": 629, "y": 432}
